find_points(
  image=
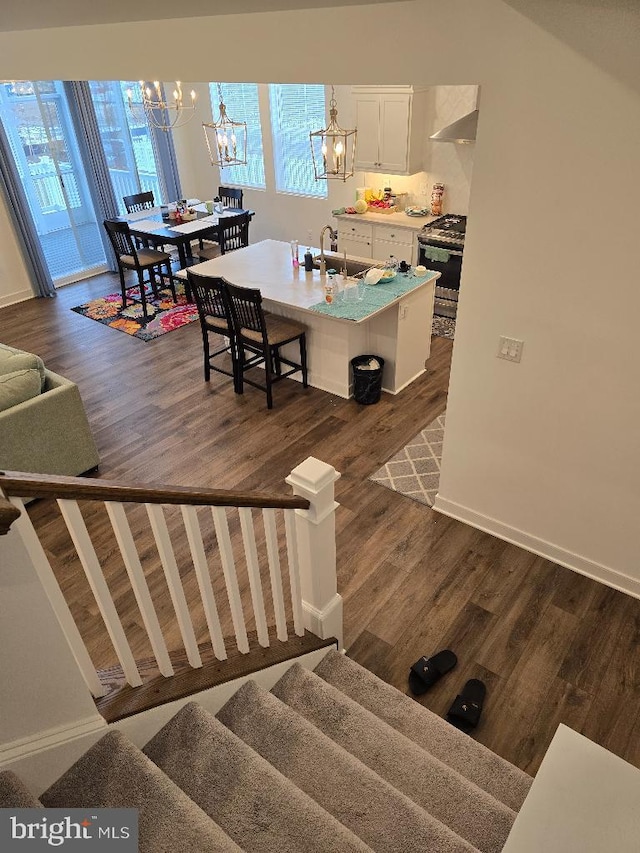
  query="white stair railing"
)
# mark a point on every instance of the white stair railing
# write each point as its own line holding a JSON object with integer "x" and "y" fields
{"x": 301, "y": 527}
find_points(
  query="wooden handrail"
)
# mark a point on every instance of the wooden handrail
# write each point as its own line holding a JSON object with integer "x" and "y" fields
{"x": 20, "y": 484}
{"x": 8, "y": 514}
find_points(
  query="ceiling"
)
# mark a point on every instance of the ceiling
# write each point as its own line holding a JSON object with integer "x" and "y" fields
{"x": 43, "y": 14}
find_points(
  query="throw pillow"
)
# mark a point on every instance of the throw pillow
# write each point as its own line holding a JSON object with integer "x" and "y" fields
{"x": 12, "y": 360}
{"x": 18, "y": 387}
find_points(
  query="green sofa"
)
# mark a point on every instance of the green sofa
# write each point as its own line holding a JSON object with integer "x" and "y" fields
{"x": 43, "y": 425}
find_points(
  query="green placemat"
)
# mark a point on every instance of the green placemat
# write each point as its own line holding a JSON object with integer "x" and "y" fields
{"x": 375, "y": 296}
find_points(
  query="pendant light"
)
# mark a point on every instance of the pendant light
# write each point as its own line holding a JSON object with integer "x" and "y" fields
{"x": 160, "y": 112}
{"x": 226, "y": 139}
{"x": 333, "y": 149}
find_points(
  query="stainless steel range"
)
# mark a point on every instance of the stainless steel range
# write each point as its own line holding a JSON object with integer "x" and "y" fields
{"x": 440, "y": 247}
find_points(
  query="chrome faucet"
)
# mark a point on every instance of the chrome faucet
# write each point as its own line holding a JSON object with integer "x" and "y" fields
{"x": 333, "y": 235}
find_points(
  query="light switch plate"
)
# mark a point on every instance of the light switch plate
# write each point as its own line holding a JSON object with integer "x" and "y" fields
{"x": 510, "y": 349}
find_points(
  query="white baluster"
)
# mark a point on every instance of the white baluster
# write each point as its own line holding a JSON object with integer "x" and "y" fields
{"x": 131, "y": 560}
{"x": 47, "y": 578}
{"x": 168, "y": 560}
{"x": 194, "y": 535}
{"x": 269, "y": 518}
{"x": 294, "y": 571}
{"x": 316, "y": 533}
{"x": 92, "y": 569}
{"x": 255, "y": 584}
{"x": 230, "y": 577}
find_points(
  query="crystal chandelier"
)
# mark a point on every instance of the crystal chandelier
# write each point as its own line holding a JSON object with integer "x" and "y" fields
{"x": 226, "y": 139}
{"x": 333, "y": 149}
{"x": 159, "y": 111}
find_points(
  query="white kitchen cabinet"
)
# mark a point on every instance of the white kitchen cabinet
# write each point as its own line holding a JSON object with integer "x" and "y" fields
{"x": 399, "y": 242}
{"x": 355, "y": 238}
{"x": 391, "y": 128}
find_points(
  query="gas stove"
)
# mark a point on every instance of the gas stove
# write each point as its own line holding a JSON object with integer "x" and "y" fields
{"x": 445, "y": 231}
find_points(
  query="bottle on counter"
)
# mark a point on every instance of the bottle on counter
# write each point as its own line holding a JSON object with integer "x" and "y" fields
{"x": 308, "y": 261}
{"x": 330, "y": 287}
{"x": 436, "y": 199}
{"x": 294, "y": 254}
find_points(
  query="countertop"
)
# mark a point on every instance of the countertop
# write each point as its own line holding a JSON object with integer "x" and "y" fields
{"x": 267, "y": 265}
{"x": 395, "y": 220}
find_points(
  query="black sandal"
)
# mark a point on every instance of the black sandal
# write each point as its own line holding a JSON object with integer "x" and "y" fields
{"x": 465, "y": 711}
{"x": 426, "y": 671}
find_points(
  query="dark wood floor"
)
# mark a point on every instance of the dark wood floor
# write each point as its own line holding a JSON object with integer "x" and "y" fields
{"x": 551, "y": 645}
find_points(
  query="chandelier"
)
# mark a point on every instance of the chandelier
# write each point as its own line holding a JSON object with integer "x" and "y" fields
{"x": 226, "y": 139}
{"x": 159, "y": 111}
{"x": 333, "y": 149}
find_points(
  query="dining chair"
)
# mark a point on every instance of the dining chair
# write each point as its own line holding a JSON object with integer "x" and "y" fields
{"x": 233, "y": 234}
{"x": 259, "y": 338}
{"x": 210, "y": 294}
{"x": 130, "y": 257}
{"x": 230, "y": 197}
{"x": 138, "y": 201}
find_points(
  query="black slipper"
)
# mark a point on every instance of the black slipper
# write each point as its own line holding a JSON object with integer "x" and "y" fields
{"x": 465, "y": 711}
{"x": 427, "y": 671}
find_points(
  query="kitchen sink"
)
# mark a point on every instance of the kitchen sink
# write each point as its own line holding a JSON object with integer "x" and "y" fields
{"x": 336, "y": 262}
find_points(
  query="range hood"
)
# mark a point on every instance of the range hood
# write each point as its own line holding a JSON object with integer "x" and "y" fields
{"x": 462, "y": 131}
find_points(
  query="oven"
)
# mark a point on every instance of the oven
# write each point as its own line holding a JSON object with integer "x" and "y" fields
{"x": 440, "y": 248}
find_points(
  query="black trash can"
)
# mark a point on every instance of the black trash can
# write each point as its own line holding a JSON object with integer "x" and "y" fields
{"x": 367, "y": 378}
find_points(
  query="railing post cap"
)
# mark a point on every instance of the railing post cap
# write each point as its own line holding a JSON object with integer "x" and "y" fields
{"x": 313, "y": 475}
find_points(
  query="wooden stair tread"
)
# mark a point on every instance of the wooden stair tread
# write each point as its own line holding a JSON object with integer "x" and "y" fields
{"x": 125, "y": 701}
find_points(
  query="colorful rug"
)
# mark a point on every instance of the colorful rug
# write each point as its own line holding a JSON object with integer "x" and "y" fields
{"x": 415, "y": 470}
{"x": 163, "y": 315}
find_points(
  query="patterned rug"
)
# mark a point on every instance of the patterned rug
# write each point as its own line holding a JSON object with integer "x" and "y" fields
{"x": 163, "y": 315}
{"x": 444, "y": 327}
{"x": 415, "y": 470}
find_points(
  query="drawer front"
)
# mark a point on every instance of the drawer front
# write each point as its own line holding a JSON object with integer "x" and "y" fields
{"x": 395, "y": 235}
{"x": 357, "y": 230}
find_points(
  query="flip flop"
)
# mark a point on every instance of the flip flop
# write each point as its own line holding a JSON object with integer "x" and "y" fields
{"x": 465, "y": 711}
{"x": 426, "y": 671}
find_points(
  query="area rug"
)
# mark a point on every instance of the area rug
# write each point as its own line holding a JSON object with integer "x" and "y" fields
{"x": 415, "y": 470}
{"x": 163, "y": 315}
{"x": 444, "y": 327}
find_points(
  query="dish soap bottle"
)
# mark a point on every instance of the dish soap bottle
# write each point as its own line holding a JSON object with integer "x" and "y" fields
{"x": 308, "y": 261}
{"x": 330, "y": 287}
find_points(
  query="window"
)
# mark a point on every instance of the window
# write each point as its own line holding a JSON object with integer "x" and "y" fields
{"x": 241, "y": 101}
{"x": 296, "y": 111}
{"x": 126, "y": 139}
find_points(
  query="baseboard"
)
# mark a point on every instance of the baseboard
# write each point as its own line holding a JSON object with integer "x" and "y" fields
{"x": 16, "y": 296}
{"x": 555, "y": 553}
{"x": 17, "y": 750}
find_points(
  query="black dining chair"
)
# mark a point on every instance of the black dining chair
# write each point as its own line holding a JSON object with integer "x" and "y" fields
{"x": 139, "y": 201}
{"x": 230, "y": 197}
{"x": 131, "y": 257}
{"x": 212, "y": 301}
{"x": 233, "y": 234}
{"x": 259, "y": 338}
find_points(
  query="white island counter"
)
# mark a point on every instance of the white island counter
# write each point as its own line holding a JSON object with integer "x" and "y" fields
{"x": 399, "y": 332}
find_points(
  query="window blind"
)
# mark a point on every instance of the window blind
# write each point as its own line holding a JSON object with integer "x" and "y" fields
{"x": 296, "y": 110}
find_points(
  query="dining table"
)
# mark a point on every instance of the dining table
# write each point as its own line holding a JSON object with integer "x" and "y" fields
{"x": 154, "y": 226}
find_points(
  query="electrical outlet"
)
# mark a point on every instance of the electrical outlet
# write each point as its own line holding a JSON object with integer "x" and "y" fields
{"x": 510, "y": 349}
{"x": 309, "y": 235}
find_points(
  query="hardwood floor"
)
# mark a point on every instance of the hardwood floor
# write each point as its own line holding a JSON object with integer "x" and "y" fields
{"x": 552, "y": 646}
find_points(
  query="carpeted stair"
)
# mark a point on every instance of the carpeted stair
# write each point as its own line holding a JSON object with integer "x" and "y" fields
{"x": 331, "y": 760}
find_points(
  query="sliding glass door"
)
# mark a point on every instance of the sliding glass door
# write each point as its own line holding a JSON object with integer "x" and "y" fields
{"x": 40, "y": 132}
{"x": 127, "y": 141}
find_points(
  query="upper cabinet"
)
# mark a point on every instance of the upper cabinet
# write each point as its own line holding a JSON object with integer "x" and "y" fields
{"x": 391, "y": 128}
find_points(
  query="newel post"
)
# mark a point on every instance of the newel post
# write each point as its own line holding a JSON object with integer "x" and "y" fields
{"x": 316, "y": 536}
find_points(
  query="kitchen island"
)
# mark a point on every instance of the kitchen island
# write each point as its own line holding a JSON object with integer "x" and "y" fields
{"x": 399, "y": 331}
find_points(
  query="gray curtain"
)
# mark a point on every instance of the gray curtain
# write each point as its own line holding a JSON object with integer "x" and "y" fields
{"x": 18, "y": 207}
{"x": 85, "y": 123}
{"x": 163, "y": 142}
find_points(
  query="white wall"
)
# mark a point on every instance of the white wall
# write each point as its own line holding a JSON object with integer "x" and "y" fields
{"x": 14, "y": 281}
{"x": 545, "y": 452}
